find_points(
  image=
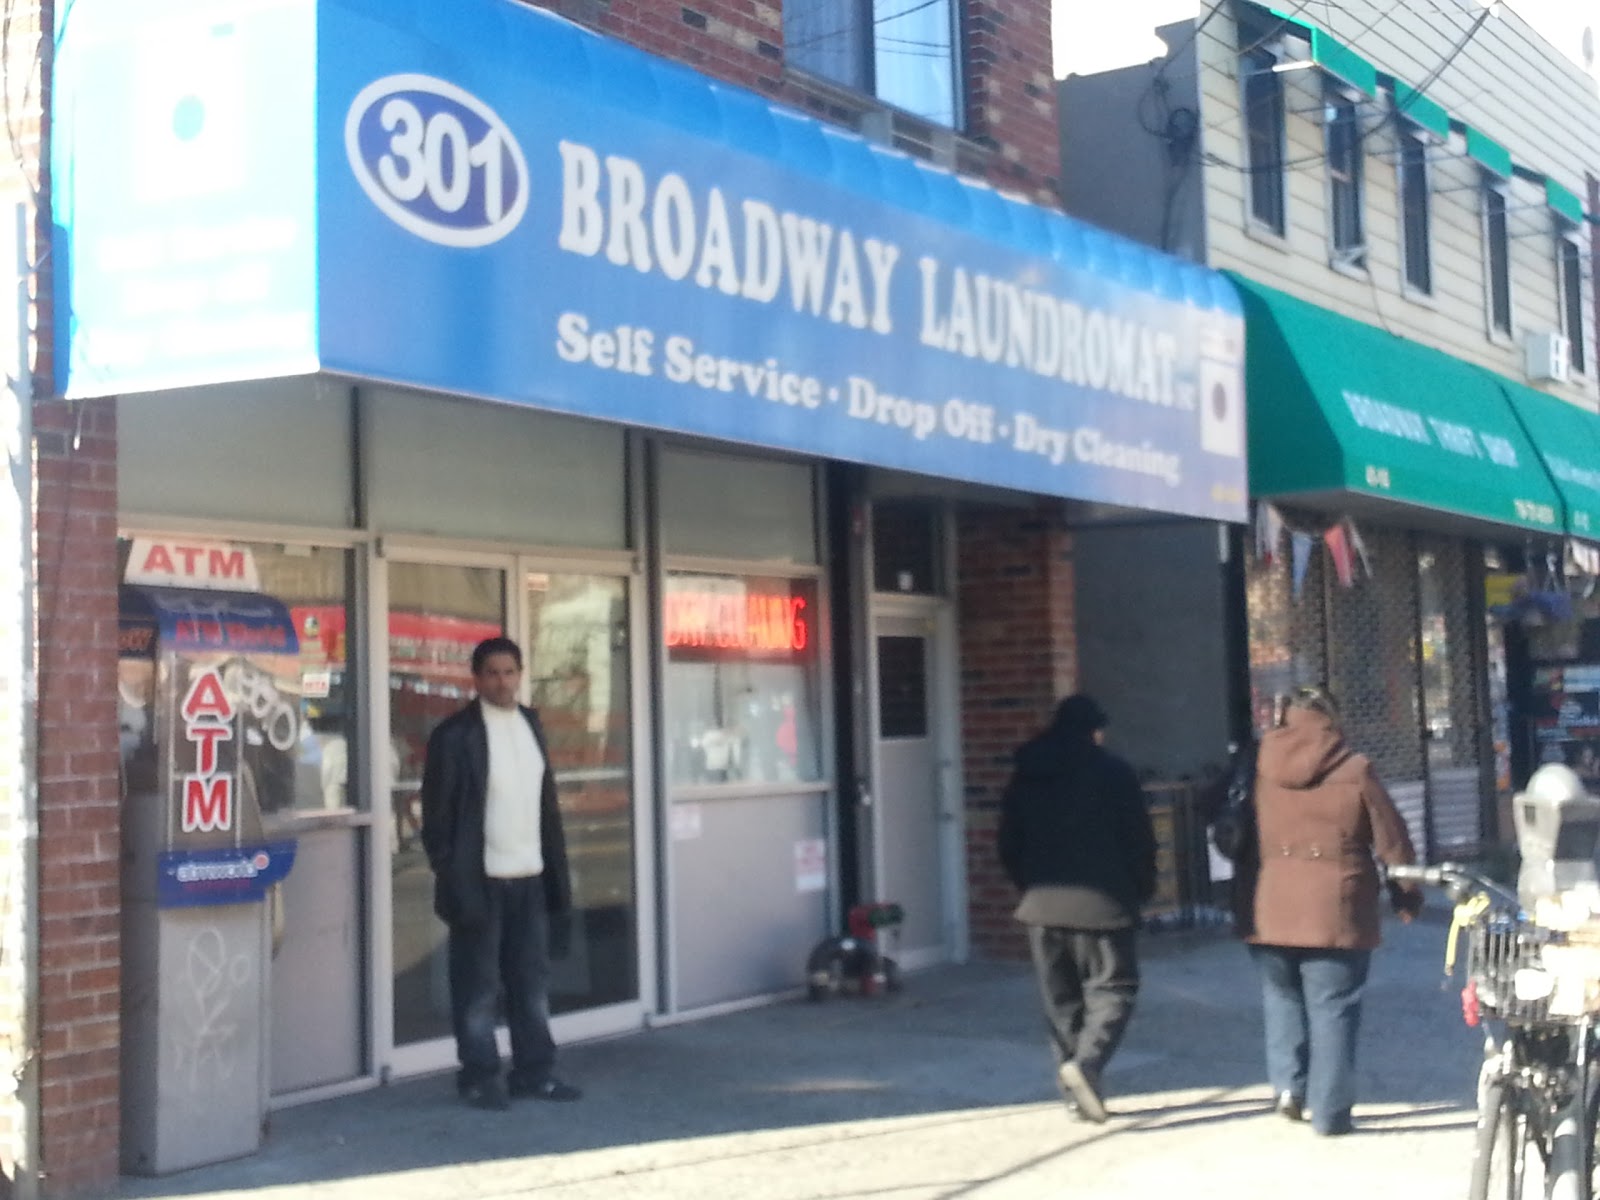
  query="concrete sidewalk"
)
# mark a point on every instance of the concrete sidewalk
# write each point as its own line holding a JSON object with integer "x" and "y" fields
{"x": 944, "y": 1091}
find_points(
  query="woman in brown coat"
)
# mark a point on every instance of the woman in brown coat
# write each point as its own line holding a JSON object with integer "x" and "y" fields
{"x": 1311, "y": 918}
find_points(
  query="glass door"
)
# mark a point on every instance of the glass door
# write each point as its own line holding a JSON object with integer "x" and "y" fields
{"x": 576, "y": 645}
{"x": 437, "y": 614}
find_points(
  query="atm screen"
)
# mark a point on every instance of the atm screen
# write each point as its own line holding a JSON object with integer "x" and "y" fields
{"x": 1577, "y": 840}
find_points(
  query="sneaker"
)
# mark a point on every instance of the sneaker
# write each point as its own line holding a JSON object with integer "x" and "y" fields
{"x": 549, "y": 1088}
{"x": 1289, "y": 1107}
{"x": 485, "y": 1093}
{"x": 1084, "y": 1090}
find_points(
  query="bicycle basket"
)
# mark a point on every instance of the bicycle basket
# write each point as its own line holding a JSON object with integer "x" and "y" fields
{"x": 1498, "y": 946}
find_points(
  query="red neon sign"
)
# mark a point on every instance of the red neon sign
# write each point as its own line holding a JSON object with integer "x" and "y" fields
{"x": 752, "y": 621}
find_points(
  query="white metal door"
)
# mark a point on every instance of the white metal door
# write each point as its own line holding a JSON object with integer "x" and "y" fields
{"x": 914, "y": 827}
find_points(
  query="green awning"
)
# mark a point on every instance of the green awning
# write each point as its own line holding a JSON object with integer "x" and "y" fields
{"x": 1563, "y": 201}
{"x": 1567, "y": 439}
{"x": 1416, "y": 107}
{"x": 1338, "y": 409}
{"x": 1488, "y": 152}
{"x": 1332, "y": 55}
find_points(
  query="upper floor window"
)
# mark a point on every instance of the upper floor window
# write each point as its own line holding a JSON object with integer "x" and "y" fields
{"x": 1414, "y": 215}
{"x": 1569, "y": 271}
{"x": 1264, "y": 138}
{"x": 901, "y": 51}
{"x": 1346, "y": 229}
{"x": 1496, "y": 257}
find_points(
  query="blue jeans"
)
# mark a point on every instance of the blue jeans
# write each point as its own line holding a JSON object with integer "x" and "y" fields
{"x": 507, "y": 952}
{"x": 1311, "y": 1001}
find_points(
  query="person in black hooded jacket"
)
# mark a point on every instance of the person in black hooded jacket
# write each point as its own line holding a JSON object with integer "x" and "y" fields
{"x": 1076, "y": 840}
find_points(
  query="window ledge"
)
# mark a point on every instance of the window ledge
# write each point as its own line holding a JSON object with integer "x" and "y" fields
{"x": 1259, "y": 232}
{"x": 1351, "y": 267}
{"x": 1418, "y": 297}
{"x": 1499, "y": 337}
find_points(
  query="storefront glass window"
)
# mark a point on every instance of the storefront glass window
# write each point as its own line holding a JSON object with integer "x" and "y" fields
{"x": 742, "y": 697}
{"x": 437, "y": 614}
{"x": 577, "y": 669}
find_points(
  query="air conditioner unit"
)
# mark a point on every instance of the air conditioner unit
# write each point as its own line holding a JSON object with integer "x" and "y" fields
{"x": 1546, "y": 355}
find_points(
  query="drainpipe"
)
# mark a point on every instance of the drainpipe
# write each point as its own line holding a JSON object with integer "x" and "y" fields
{"x": 17, "y": 601}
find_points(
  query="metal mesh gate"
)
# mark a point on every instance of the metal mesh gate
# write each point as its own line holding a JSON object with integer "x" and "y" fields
{"x": 1401, "y": 650}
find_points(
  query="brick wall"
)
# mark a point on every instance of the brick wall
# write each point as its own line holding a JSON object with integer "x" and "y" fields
{"x": 1018, "y": 657}
{"x": 1011, "y": 95}
{"x": 1010, "y": 135}
{"x": 79, "y": 829}
{"x": 78, "y": 897}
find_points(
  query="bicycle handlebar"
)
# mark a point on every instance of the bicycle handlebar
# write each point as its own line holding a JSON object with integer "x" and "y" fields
{"x": 1449, "y": 875}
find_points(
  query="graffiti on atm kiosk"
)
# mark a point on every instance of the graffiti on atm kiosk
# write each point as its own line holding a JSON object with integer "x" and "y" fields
{"x": 208, "y": 791}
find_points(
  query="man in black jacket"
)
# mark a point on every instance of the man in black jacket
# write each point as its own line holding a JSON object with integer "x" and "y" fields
{"x": 492, "y": 829}
{"x": 1076, "y": 840}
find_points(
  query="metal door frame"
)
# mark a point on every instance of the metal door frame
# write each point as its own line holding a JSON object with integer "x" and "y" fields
{"x": 515, "y": 562}
{"x": 944, "y": 729}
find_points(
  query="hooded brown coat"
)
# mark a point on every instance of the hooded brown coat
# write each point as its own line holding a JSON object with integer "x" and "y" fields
{"x": 1321, "y": 817}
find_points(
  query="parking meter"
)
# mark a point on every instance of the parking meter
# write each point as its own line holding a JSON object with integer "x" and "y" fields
{"x": 1558, "y": 829}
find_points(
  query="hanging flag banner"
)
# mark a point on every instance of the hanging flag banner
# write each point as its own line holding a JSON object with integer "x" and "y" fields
{"x": 1300, "y": 545}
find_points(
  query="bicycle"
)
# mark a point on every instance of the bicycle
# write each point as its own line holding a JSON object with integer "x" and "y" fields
{"x": 1539, "y": 1086}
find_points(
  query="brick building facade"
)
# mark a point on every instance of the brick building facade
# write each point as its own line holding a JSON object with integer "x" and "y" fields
{"x": 1013, "y": 592}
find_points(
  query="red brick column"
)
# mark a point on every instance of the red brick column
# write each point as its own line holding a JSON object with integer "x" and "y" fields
{"x": 1011, "y": 95}
{"x": 1018, "y": 657}
{"x": 79, "y": 891}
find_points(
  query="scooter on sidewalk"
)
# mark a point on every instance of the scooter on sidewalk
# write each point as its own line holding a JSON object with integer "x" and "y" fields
{"x": 855, "y": 964}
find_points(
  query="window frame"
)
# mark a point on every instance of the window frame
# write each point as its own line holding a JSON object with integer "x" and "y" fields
{"x": 1492, "y": 190}
{"x": 1413, "y": 138}
{"x": 1258, "y": 63}
{"x": 1340, "y": 107}
{"x": 860, "y": 21}
{"x": 1569, "y": 250}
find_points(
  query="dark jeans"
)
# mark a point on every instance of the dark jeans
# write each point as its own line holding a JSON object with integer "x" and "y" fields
{"x": 1311, "y": 1000}
{"x": 1088, "y": 979}
{"x": 508, "y": 951}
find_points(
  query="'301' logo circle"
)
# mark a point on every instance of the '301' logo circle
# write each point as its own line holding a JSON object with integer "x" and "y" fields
{"x": 437, "y": 160}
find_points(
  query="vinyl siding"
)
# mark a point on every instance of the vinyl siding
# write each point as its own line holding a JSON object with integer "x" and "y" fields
{"x": 1506, "y": 83}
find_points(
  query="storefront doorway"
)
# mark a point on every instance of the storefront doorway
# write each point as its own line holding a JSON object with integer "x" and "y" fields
{"x": 916, "y": 829}
{"x": 575, "y": 625}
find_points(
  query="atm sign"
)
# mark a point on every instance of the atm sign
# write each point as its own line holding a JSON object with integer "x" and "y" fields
{"x": 208, "y": 791}
{"x": 176, "y": 562}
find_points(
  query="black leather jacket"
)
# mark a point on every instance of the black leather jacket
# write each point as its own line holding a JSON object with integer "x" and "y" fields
{"x": 455, "y": 785}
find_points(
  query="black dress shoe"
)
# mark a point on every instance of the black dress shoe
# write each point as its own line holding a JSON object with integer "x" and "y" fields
{"x": 485, "y": 1093}
{"x": 548, "y": 1088}
{"x": 1288, "y": 1106}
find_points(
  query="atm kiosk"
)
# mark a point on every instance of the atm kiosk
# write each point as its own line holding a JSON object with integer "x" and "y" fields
{"x": 208, "y": 684}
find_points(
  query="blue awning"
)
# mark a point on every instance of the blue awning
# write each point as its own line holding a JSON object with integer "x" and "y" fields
{"x": 192, "y": 619}
{"x": 484, "y": 199}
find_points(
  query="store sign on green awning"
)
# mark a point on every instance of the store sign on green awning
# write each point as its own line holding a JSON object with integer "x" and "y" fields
{"x": 1568, "y": 441}
{"x": 1336, "y": 405}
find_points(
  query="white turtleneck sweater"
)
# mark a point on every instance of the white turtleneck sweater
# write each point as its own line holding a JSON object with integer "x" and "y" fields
{"x": 511, "y": 846}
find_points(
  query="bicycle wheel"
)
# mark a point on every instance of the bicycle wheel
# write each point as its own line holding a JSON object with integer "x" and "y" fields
{"x": 1500, "y": 1157}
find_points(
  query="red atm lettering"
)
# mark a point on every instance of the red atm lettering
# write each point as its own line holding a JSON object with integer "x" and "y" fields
{"x": 159, "y": 560}
{"x": 215, "y": 562}
{"x": 207, "y": 803}
{"x": 227, "y": 564}
{"x": 206, "y": 735}
{"x": 206, "y": 701}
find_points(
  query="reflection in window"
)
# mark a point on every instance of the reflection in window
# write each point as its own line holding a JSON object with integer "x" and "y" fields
{"x": 741, "y": 695}
{"x": 901, "y": 51}
{"x": 577, "y": 668}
